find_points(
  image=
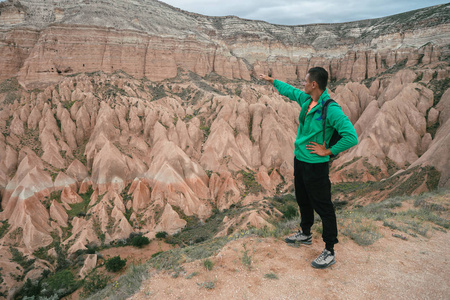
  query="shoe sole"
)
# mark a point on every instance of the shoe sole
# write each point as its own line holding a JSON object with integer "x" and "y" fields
{"x": 323, "y": 267}
{"x": 301, "y": 242}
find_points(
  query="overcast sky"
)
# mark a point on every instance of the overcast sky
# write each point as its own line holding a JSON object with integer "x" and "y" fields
{"x": 297, "y": 12}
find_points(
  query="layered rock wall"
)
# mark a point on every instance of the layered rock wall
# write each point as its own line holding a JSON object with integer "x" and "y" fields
{"x": 69, "y": 39}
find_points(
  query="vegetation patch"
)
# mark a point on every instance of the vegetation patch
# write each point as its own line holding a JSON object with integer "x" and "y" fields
{"x": 358, "y": 224}
{"x": 207, "y": 285}
{"x": 42, "y": 253}
{"x": 401, "y": 184}
{"x": 286, "y": 204}
{"x": 161, "y": 235}
{"x": 125, "y": 286}
{"x": 94, "y": 282}
{"x": 140, "y": 241}
{"x": 251, "y": 185}
{"x": 271, "y": 276}
{"x": 197, "y": 231}
{"x": 363, "y": 232}
{"x": 12, "y": 87}
{"x": 439, "y": 87}
{"x": 115, "y": 264}
{"x": 4, "y": 228}
{"x": 190, "y": 276}
{"x": 208, "y": 264}
{"x": 373, "y": 170}
{"x": 80, "y": 209}
{"x": 21, "y": 259}
{"x": 246, "y": 257}
{"x": 158, "y": 91}
{"x": 112, "y": 91}
{"x": 173, "y": 258}
{"x": 56, "y": 286}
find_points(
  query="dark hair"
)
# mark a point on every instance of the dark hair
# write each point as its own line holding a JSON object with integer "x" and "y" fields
{"x": 319, "y": 75}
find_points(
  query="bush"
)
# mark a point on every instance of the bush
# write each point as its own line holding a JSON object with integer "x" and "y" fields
{"x": 287, "y": 205}
{"x": 291, "y": 212}
{"x": 161, "y": 235}
{"x": 49, "y": 286}
{"x": 91, "y": 249}
{"x": 29, "y": 289}
{"x": 115, "y": 264}
{"x": 208, "y": 264}
{"x": 62, "y": 280}
{"x": 140, "y": 241}
{"x": 271, "y": 276}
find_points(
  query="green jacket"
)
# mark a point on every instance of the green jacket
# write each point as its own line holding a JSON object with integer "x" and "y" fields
{"x": 310, "y": 127}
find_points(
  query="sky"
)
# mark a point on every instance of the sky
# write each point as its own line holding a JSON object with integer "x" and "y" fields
{"x": 299, "y": 12}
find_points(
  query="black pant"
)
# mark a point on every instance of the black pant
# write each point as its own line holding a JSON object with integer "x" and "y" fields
{"x": 313, "y": 193}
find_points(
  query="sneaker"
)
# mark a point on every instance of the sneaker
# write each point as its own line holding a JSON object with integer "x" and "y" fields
{"x": 324, "y": 260}
{"x": 299, "y": 237}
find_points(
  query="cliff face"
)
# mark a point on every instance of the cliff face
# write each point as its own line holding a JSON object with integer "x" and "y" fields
{"x": 133, "y": 116}
{"x": 45, "y": 41}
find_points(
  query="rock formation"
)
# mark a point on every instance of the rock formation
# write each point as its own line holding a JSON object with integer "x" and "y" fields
{"x": 114, "y": 123}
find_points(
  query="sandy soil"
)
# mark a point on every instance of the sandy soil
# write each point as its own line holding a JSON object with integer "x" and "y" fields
{"x": 392, "y": 268}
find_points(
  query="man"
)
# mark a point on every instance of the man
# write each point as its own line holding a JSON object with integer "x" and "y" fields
{"x": 311, "y": 171}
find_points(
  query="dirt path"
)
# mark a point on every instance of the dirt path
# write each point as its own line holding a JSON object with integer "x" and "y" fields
{"x": 389, "y": 269}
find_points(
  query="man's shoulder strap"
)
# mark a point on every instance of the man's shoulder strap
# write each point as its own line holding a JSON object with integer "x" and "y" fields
{"x": 324, "y": 114}
{"x": 325, "y": 108}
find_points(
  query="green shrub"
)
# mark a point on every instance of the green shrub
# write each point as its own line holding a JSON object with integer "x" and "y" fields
{"x": 286, "y": 204}
{"x": 91, "y": 249}
{"x": 208, "y": 264}
{"x": 54, "y": 286}
{"x": 161, "y": 235}
{"x": 4, "y": 228}
{"x": 207, "y": 285}
{"x": 115, "y": 264}
{"x": 140, "y": 241}
{"x": 271, "y": 276}
{"x": 291, "y": 212}
{"x": 42, "y": 253}
{"x": 62, "y": 280}
{"x": 29, "y": 289}
{"x": 20, "y": 259}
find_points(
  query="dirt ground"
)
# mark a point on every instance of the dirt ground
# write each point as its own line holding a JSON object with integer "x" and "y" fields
{"x": 391, "y": 268}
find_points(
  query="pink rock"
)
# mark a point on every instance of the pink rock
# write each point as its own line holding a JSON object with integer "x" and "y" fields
{"x": 68, "y": 129}
{"x": 109, "y": 168}
{"x": 77, "y": 170}
{"x": 62, "y": 180}
{"x": 58, "y": 213}
{"x": 17, "y": 126}
{"x": 141, "y": 196}
{"x": 89, "y": 264}
{"x": 69, "y": 196}
{"x": 170, "y": 222}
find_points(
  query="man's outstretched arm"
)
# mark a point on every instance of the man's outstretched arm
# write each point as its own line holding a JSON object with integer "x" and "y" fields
{"x": 286, "y": 90}
{"x": 266, "y": 78}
